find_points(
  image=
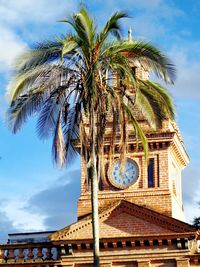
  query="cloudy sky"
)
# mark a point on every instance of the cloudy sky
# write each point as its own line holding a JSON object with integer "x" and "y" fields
{"x": 34, "y": 195}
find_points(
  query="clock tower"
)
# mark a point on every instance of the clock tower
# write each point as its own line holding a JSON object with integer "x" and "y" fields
{"x": 139, "y": 205}
{"x": 156, "y": 185}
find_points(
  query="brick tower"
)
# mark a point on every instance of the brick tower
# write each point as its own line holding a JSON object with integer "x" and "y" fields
{"x": 156, "y": 186}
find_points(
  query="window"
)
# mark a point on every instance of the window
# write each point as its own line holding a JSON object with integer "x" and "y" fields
{"x": 151, "y": 173}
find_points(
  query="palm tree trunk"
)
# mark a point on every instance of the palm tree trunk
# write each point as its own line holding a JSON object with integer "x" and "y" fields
{"x": 94, "y": 194}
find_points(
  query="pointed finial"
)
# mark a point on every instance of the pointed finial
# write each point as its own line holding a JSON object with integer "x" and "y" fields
{"x": 130, "y": 34}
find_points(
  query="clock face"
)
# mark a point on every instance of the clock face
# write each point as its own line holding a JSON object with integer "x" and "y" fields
{"x": 129, "y": 175}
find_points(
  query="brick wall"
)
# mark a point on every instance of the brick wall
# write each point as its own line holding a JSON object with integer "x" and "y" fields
{"x": 163, "y": 196}
{"x": 160, "y": 202}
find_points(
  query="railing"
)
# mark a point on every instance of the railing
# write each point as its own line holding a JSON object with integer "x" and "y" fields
{"x": 28, "y": 253}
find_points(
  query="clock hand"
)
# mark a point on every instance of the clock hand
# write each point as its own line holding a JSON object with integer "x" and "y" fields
{"x": 128, "y": 176}
{"x": 129, "y": 169}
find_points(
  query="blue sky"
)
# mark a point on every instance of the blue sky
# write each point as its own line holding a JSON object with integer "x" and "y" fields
{"x": 34, "y": 195}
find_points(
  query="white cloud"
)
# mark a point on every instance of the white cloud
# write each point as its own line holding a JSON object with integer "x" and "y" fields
{"x": 147, "y": 23}
{"x": 25, "y": 16}
{"x": 191, "y": 210}
{"x": 10, "y": 46}
{"x": 148, "y": 26}
{"x": 58, "y": 202}
{"x": 22, "y": 219}
{"x": 165, "y": 8}
{"x": 50, "y": 207}
{"x": 158, "y": 8}
{"x": 191, "y": 189}
{"x": 23, "y": 11}
{"x": 186, "y": 58}
{"x": 6, "y": 227}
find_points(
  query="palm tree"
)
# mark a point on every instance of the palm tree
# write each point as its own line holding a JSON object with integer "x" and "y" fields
{"x": 70, "y": 84}
{"x": 196, "y": 222}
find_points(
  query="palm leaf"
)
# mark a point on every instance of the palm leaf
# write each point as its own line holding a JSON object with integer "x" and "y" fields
{"x": 148, "y": 110}
{"x": 147, "y": 55}
{"x": 112, "y": 26}
{"x": 159, "y": 99}
{"x": 58, "y": 147}
{"x": 47, "y": 118}
{"x": 45, "y": 52}
{"x": 138, "y": 130}
{"x": 71, "y": 133}
{"x": 23, "y": 107}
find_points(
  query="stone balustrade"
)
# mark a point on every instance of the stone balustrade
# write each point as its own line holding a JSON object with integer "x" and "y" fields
{"x": 33, "y": 252}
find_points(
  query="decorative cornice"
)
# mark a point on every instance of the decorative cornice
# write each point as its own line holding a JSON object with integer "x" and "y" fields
{"x": 117, "y": 207}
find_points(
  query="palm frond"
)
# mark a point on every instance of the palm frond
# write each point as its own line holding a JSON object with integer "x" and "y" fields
{"x": 52, "y": 105}
{"x": 69, "y": 45}
{"x": 44, "y": 52}
{"x": 63, "y": 78}
{"x": 147, "y": 55}
{"x": 112, "y": 26}
{"x": 84, "y": 27}
{"x": 140, "y": 136}
{"x": 46, "y": 123}
{"x": 123, "y": 139}
{"x": 72, "y": 133}
{"x": 58, "y": 146}
{"x": 159, "y": 99}
{"x": 24, "y": 82}
{"x": 22, "y": 108}
{"x": 166, "y": 98}
{"x": 147, "y": 109}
